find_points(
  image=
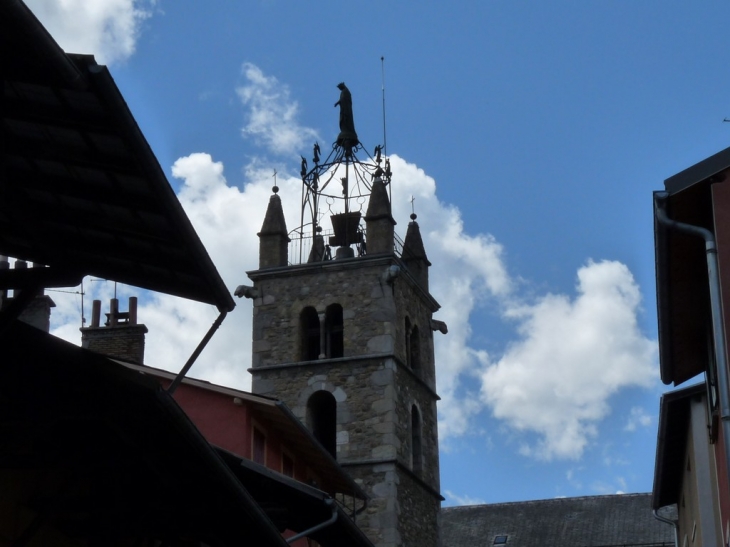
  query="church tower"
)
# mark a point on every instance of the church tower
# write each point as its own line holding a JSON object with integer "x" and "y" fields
{"x": 346, "y": 341}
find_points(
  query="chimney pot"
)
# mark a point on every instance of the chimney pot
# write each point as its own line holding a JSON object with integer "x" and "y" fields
{"x": 123, "y": 339}
{"x": 95, "y": 313}
{"x": 113, "y": 312}
{"x": 132, "y": 310}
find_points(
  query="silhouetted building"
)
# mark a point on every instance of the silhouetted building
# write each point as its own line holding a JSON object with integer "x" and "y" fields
{"x": 692, "y": 242}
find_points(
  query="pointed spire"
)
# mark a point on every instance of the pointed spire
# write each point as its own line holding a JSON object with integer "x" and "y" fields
{"x": 379, "y": 220}
{"x": 274, "y": 222}
{"x": 414, "y": 254}
{"x": 273, "y": 237}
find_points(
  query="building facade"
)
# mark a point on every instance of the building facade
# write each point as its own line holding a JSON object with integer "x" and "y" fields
{"x": 692, "y": 243}
{"x": 686, "y": 466}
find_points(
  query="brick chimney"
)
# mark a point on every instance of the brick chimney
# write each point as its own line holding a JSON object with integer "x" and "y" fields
{"x": 38, "y": 311}
{"x": 120, "y": 337}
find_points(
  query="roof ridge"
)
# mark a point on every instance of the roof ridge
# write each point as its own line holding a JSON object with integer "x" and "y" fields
{"x": 547, "y": 500}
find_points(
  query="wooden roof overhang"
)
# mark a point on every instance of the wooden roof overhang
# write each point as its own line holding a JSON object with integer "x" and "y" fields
{"x": 297, "y": 506}
{"x": 674, "y": 417}
{"x": 81, "y": 192}
{"x": 683, "y": 301}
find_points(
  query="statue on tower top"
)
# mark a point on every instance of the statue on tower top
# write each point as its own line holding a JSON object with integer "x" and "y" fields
{"x": 347, "y": 137}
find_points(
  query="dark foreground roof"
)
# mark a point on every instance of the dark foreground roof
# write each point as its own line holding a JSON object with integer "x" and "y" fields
{"x": 590, "y": 521}
{"x": 80, "y": 189}
{"x": 94, "y": 453}
{"x": 299, "y": 506}
{"x": 674, "y": 419}
{"x": 683, "y": 298}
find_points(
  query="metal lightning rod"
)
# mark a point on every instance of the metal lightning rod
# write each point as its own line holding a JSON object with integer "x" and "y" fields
{"x": 382, "y": 73}
{"x": 385, "y": 142}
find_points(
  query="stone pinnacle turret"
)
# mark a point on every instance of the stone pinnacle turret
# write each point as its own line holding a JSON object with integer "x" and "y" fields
{"x": 379, "y": 220}
{"x": 273, "y": 237}
{"x": 414, "y": 254}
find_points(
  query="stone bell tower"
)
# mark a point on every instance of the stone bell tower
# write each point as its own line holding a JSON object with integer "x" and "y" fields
{"x": 347, "y": 343}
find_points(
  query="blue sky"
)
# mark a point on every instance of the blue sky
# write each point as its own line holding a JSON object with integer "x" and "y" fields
{"x": 531, "y": 135}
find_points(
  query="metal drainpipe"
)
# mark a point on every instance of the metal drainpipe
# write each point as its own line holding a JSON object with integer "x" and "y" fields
{"x": 325, "y": 524}
{"x": 201, "y": 346}
{"x": 718, "y": 331}
{"x": 668, "y": 521}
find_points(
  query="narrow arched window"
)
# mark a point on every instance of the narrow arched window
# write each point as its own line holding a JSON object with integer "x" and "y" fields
{"x": 322, "y": 419}
{"x": 334, "y": 331}
{"x": 309, "y": 330}
{"x": 415, "y": 349}
{"x": 416, "y": 445}
{"x": 408, "y": 342}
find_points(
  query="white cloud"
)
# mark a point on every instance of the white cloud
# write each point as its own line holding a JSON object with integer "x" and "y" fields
{"x": 455, "y": 499}
{"x": 272, "y": 114}
{"x": 572, "y": 476}
{"x": 603, "y": 488}
{"x": 571, "y": 357}
{"x": 108, "y": 29}
{"x": 227, "y": 220}
{"x": 637, "y": 418}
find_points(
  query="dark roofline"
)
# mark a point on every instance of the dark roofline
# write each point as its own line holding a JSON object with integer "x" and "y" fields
{"x": 682, "y": 283}
{"x": 618, "y": 519}
{"x": 674, "y": 415}
{"x": 48, "y": 383}
{"x": 52, "y": 59}
{"x": 544, "y": 500}
{"x": 220, "y": 296}
{"x": 106, "y": 165}
{"x": 699, "y": 172}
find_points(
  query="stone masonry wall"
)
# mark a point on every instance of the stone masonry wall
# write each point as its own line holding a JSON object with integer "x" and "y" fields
{"x": 418, "y": 509}
{"x": 409, "y": 391}
{"x": 374, "y": 399}
{"x": 419, "y": 313}
{"x": 374, "y": 312}
{"x": 379, "y": 521}
{"x": 121, "y": 341}
{"x": 373, "y": 387}
{"x": 365, "y": 399}
{"x": 367, "y": 303}
{"x": 400, "y": 512}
